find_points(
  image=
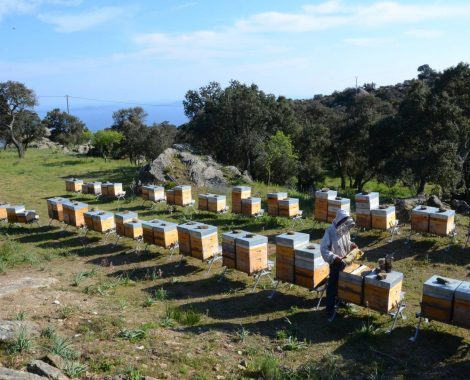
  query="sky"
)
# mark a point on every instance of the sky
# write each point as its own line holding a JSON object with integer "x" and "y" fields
{"x": 110, "y": 54}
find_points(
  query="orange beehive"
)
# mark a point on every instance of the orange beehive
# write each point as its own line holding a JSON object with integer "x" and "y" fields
{"x": 382, "y": 295}
{"x": 251, "y": 253}
{"x": 321, "y": 203}
{"x": 114, "y": 189}
{"x": 204, "y": 241}
{"x": 383, "y": 217}
{"x": 12, "y": 212}
{"x": 88, "y": 217}
{"x": 121, "y": 218}
{"x": 441, "y": 222}
{"x": 310, "y": 268}
{"x": 286, "y": 244}
{"x": 183, "y": 195}
{"x": 105, "y": 188}
{"x": 420, "y": 218}
{"x": 133, "y": 229}
{"x": 202, "y": 202}
{"x": 153, "y": 193}
{"x": 3, "y": 210}
{"x": 216, "y": 203}
{"x": 170, "y": 197}
{"x": 336, "y": 204}
{"x": 461, "y": 315}
{"x": 229, "y": 243}
{"x": 438, "y": 299}
{"x": 273, "y": 202}
{"x": 251, "y": 206}
{"x": 184, "y": 237}
{"x": 351, "y": 283}
{"x": 103, "y": 221}
{"x": 160, "y": 233}
{"x": 73, "y": 185}
{"x": 239, "y": 193}
{"x": 289, "y": 207}
{"x": 74, "y": 213}
{"x": 55, "y": 208}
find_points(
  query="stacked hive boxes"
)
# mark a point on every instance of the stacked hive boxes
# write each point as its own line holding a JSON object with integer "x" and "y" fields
{"x": 461, "y": 315}
{"x": 289, "y": 207}
{"x": 184, "y": 237}
{"x": 251, "y": 206}
{"x": 438, "y": 299}
{"x": 160, "y": 233}
{"x": 286, "y": 244}
{"x": 111, "y": 190}
{"x": 88, "y": 217}
{"x": 204, "y": 241}
{"x": 74, "y": 213}
{"x": 229, "y": 243}
{"x": 365, "y": 203}
{"x": 55, "y": 208}
{"x": 105, "y": 187}
{"x": 73, "y": 185}
{"x": 273, "y": 202}
{"x": 251, "y": 253}
{"x": 336, "y": 204}
{"x": 310, "y": 268}
{"x": 202, "y": 202}
{"x": 93, "y": 188}
{"x": 13, "y": 211}
{"x": 170, "y": 196}
{"x": 27, "y": 216}
{"x": 441, "y": 222}
{"x": 3, "y": 210}
{"x": 420, "y": 218}
{"x": 103, "y": 221}
{"x": 383, "y": 217}
{"x": 216, "y": 203}
{"x": 183, "y": 196}
{"x": 133, "y": 229}
{"x": 383, "y": 295}
{"x": 321, "y": 203}
{"x": 238, "y": 194}
{"x": 351, "y": 283}
{"x": 153, "y": 193}
{"x": 122, "y": 218}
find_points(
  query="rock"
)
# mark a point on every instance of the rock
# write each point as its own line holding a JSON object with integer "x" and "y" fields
{"x": 403, "y": 208}
{"x": 12, "y": 286}
{"x": 10, "y": 329}
{"x": 54, "y": 360}
{"x": 149, "y": 378}
{"x": 434, "y": 201}
{"x": 41, "y": 368}
{"x": 10, "y": 374}
{"x": 56, "y": 302}
{"x": 461, "y": 207}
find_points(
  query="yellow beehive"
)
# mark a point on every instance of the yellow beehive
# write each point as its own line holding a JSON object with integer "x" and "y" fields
{"x": 204, "y": 241}
{"x": 88, "y": 217}
{"x": 3, "y": 210}
{"x": 461, "y": 315}
{"x": 153, "y": 193}
{"x": 289, "y": 207}
{"x": 239, "y": 193}
{"x": 321, "y": 203}
{"x": 286, "y": 244}
{"x": 114, "y": 189}
{"x": 383, "y": 295}
{"x": 310, "y": 268}
{"x": 184, "y": 237}
{"x": 383, "y": 217}
{"x": 103, "y": 221}
{"x": 216, "y": 203}
{"x": 273, "y": 202}
{"x": 420, "y": 218}
{"x": 229, "y": 243}
{"x": 160, "y": 233}
{"x": 133, "y": 229}
{"x": 12, "y": 212}
{"x": 336, "y": 204}
{"x": 73, "y": 185}
{"x": 121, "y": 218}
{"x": 351, "y": 283}
{"x": 55, "y": 208}
{"x": 251, "y": 206}
{"x": 183, "y": 195}
{"x": 170, "y": 197}
{"x": 441, "y": 222}
{"x": 202, "y": 202}
{"x": 251, "y": 253}
{"x": 438, "y": 299}
{"x": 74, "y": 213}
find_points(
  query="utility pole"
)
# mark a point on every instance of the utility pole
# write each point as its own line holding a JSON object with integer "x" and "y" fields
{"x": 356, "y": 83}
{"x": 68, "y": 110}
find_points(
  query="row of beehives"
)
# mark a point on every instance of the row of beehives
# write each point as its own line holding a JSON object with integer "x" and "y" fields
{"x": 17, "y": 214}
{"x": 279, "y": 204}
{"x": 433, "y": 220}
{"x": 179, "y": 195}
{"x": 106, "y": 189}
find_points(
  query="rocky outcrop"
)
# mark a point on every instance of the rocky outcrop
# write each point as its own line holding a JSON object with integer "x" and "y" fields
{"x": 460, "y": 206}
{"x": 41, "y": 368}
{"x": 10, "y": 329}
{"x": 11, "y": 374}
{"x": 181, "y": 164}
{"x": 434, "y": 201}
{"x": 403, "y": 208}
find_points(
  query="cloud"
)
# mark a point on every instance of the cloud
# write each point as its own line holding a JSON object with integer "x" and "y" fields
{"x": 368, "y": 41}
{"x": 75, "y": 22}
{"x": 424, "y": 33}
{"x": 184, "y": 6}
{"x": 8, "y": 7}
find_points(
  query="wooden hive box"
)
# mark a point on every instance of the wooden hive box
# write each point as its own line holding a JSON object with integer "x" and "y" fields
{"x": 121, "y": 218}
{"x": 153, "y": 193}
{"x": 438, "y": 299}
{"x": 3, "y": 211}
{"x": 114, "y": 189}
{"x": 229, "y": 243}
{"x": 351, "y": 283}
{"x": 183, "y": 195}
{"x": 133, "y": 229}
{"x": 184, "y": 237}
{"x": 88, "y": 217}
{"x": 144, "y": 192}
{"x": 170, "y": 197}
{"x": 93, "y": 188}
{"x": 106, "y": 188}
{"x": 216, "y": 202}
{"x": 239, "y": 193}
{"x": 74, "y": 213}
{"x": 251, "y": 253}
{"x": 441, "y": 222}
{"x": 147, "y": 230}
{"x": 289, "y": 207}
{"x": 461, "y": 316}
{"x": 321, "y": 203}
{"x": 55, "y": 208}
{"x": 202, "y": 202}
{"x": 103, "y": 221}
{"x": 251, "y": 206}
{"x": 363, "y": 218}
{"x": 73, "y": 185}
{"x": 26, "y": 216}
{"x": 12, "y": 212}
{"x": 204, "y": 241}
{"x": 382, "y": 295}
{"x": 286, "y": 244}
{"x": 310, "y": 268}
{"x": 336, "y": 204}
{"x": 420, "y": 218}
{"x": 367, "y": 201}
{"x": 165, "y": 234}
{"x": 383, "y": 217}
{"x": 273, "y": 202}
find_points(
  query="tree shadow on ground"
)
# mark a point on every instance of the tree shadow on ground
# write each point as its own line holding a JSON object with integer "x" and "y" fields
{"x": 125, "y": 258}
{"x": 51, "y": 233}
{"x": 73, "y": 242}
{"x": 167, "y": 270}
{"x": 101, "y": 249}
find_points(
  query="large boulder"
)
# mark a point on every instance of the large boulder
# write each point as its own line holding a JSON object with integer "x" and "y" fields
{"x": 434, "y": 201}
{"x": 460, "y": 206}
{"x": 10, "y": 329}
{"x": 41, "y": 368}
{"x": 403, "y": 208}
{"x": 11, "y": 374}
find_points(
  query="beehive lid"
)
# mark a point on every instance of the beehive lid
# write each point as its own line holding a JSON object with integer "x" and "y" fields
{"x": 16, "y": 208}
{"x": 182, "y": 187}
{"x": 424, "y": 210}
{"x": 91, "y": 213}
{"x": 188, "y": 226}
{"x": 107, "y": 184}
{"x": 134, "y": 223}
{"x": 445, "y": 214}
{"x": 203, "y": 196}
{"x": 102, "y": 215}
{"x": 462, "y": 293}
{"x": 392, "y": 279}
{"x": 367, "y": 196}
{"x": 215, "y": 197}
{"x": 432, "y": 288}
{"x": 251, "y": 200}
{"x": 125, "y": 215}
{"x": 232, "y": 235}
{"x": 4, "y": 205}
{"x": 170, "y": 190}
{"x": 339, "y": 201}
{"x": 75, "y": 180}
{"x": 277, "y": 195}
{"x": 292, "y": 239}
{"x": 165, "y": 226}
{"x": 289, "y": 201}
{"x": 383, "y": 211}
{"x": 58, "y": 200}
{"x": 326, "y": 193}
{"x": 251, "y": 240}
{"x": 203, "y": 230}
{"x": 309, "y": 252}
{"x": 76, "y": 205}
{"x": 151, "y": 223}
{"x": 240, "y": 189}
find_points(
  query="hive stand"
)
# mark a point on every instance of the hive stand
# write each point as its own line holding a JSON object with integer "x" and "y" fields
{"x": 257, "y": 276}
{"x": 394, "y": 230}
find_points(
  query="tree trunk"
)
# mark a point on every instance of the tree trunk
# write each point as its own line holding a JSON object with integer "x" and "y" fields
{"x": 422, "y": 184}
{"x": 19, "y": 146}
{"x": 341, "y": 171}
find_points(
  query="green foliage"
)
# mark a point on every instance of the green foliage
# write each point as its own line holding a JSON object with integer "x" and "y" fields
{"x": 48, "y": 332}
{"x": 74, "y": 369}
{"x": 132, "y": 335}
{"x": 106, "y": 141}
{"x": 20, "y": 316}
{"x": 62, "y": 347}
{"x": 66, "y": 129}
{"x": 21, "y": 343}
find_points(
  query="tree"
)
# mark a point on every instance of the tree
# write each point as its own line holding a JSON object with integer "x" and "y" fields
{"x": 160, "y": 137}
{"x": 106, "y": 141}
{"x": 66, "y": 129}
{"x": 15, "y": 98}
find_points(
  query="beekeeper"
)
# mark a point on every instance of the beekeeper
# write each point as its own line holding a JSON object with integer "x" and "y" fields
{"x": 335, "y": 245}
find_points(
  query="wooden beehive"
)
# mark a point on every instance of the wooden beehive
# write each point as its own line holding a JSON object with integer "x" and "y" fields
{"x": 286, "y": 244}
{"x": 336, "y": 204}
{"x": 170, "y": 197}
{"x": 239, "y": 193}
{"x": 133, "y": 229}
{"x": 3, "y": 210}
{"x": 73, "y": 185}
{"x": 461, "y": 315}
{"x": 121, "y": 218}
{"x": 310, "y": 268}
{"x": 251, "y": 206}
{"x": 153, "y": 193}
{"x": 229, "y": 242}
{"x": 351, "y": 283}
{"x": 216, "y": 202}
{"x": 441, "y": 222}
{"x": 147, "y": 230}
{"x": 202, "y": 202}
{"x": 251, "y": 253}
{"x": 26, "y": 216}
{"x": 88, "y": 217}
{"x": 420, "y": 218}
{"x": 184, "y": 237}
{"x": 204, "y": 241}
{"x": 321, "y": 203}
{"x": 289, "y": 207}
{"x": 74, "y": 213}
{"x": 183, "y": 195}
{"x": 103, "y": 221}
{"x": 363, "y": 218}
{"x": 93, "y": 188}
{"x": 114, "y": 189}
{"x": 55, "y": 208}
{"x": 382, "y": 295}
{"x": 383, "y": 217}
{"x": 160, "y": 233}
{"x": 12, "y": 212}
{"x": 105, "y": 188}
{"x": 273, "y": 202}
{"x": 438, "y": 299}
{"x": 367, "y": 201}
